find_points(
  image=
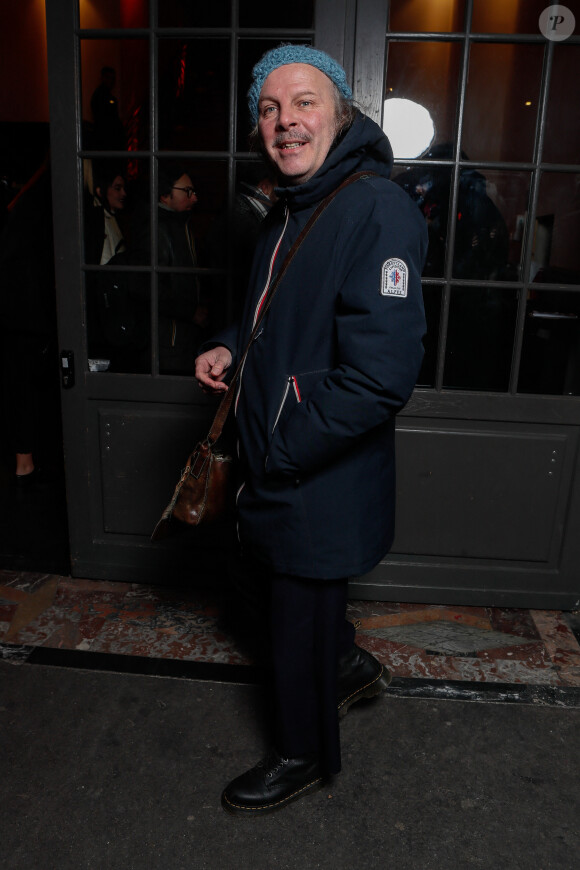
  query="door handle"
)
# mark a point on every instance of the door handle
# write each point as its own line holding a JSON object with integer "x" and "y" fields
{"x": 67, "y": 369}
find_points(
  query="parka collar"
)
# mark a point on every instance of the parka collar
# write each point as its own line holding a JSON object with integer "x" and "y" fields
{"x": 364, "y": 147}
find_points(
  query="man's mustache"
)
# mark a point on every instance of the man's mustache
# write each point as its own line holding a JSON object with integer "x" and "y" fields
{"x": 281, "y": 138}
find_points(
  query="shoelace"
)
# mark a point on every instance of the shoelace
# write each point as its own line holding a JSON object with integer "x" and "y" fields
{"x": 279, "y": 763}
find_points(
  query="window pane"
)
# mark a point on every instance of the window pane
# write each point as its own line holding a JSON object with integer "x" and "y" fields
{"x": 184, "y": 13}
{"x": 193, "y": 94}
{"x": 501, "y": 101}
{"x": 300, "y": 14}
{"x": 432, "y": 301}
{"x": 112, "y": 190}
{"x": 480, "y": 338}
{"x": 118, "y": 321}
{"x": 562, "y": 138}
{"x": 185, "y": 320}
{"x": 115, "y": 94}
{"x": 550, "y": 361}
{"x": 114, "y": 13}
{"x": 510, "y": 16}
{"x": 249, "y": 53}
{"x": 118, "y": 302}
{"x": 430, "y": 187}
{"x": 491, "y": 213}
{"x": 556, "y": 253}
{"x": 424, "y": 16}
{"x": 425, "y": 73}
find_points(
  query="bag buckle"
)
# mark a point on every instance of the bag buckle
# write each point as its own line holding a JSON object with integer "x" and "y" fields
{"x": 201, "y": 457}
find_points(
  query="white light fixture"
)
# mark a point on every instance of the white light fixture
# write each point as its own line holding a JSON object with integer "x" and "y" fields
{"x": 409, "y": 127}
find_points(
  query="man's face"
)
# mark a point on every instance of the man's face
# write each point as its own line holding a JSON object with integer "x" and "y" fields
{"x": 297, "y": 120}
{"x": 182, "y": 197}
{"x": 116, "y": 194}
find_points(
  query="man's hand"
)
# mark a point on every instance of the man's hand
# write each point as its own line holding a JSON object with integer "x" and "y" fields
{"x": 210, "y": 368}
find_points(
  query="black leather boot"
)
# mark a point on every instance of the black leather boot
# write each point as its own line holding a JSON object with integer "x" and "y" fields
{"x": 271, "y": 784}
{"x": 360, "y": 675}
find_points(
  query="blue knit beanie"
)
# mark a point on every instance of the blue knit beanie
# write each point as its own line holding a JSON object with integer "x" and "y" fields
{"x": 286, "y": 54}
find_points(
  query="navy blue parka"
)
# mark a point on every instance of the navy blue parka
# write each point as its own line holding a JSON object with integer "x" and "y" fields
{"x": 335, "y": 359}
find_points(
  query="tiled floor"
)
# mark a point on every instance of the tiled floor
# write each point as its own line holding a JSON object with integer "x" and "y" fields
{"x": 508, "y": 653}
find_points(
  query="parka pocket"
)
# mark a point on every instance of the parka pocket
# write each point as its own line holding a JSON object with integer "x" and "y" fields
{"x": 296, "y": 389}
{"x": 290, "y": 388}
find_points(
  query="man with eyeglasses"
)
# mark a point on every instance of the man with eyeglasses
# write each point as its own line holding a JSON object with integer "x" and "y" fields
{"x": 182, "y": 312}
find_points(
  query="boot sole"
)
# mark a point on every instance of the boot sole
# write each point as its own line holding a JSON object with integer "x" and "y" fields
{"x": 240, "y": 810}
{"x": 371, "y": 690}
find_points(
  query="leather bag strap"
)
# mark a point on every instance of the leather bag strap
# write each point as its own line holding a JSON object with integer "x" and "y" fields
{"x": 225, "y": 404}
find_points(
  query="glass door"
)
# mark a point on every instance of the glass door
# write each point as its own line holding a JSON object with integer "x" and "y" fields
{"x": 151, "y": 168}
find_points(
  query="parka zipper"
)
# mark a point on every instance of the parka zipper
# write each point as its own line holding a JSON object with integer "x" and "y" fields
{"x": 262, "y": 300}
{"x": 290, "y": 381}
{"x": 256, "y": 313}
{"x": 282, "y": 403}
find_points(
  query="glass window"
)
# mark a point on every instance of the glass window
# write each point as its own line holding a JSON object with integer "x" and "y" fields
{"x": 118, "y": 321}
{"x": 480, "y": 338}
{"x": 300, "y": 14}
{"x": 425, "y": 74}
{"x": 193, "y": 94}
{"x": 430, "y": 187}
{"x": 115, "y": 94}
{"x": 113, "y": 190}
{"x": 491, "y": 211}
{"x": 509, "y": 16}
{"x": 184, "y": 13}
{"x": 556, "y": 253}
{"x": 501, "y": 101}
{"x": 550, "y": 362}
{"x": 562, "y": 137}
{"x": 432, "y": 302}
{"x": 424, "y": 16}
{"x": 113, "y": 13}
{"x": 117, "y": 302}
{"x": 186, "y": 305}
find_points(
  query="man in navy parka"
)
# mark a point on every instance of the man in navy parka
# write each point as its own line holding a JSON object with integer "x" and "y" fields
{"x": 335, "y": 359}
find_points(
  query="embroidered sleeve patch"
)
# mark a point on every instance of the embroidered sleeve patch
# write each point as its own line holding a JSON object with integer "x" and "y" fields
{"x": 394, "y": 278}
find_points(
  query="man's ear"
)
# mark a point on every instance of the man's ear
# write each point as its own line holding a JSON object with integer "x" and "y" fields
{"x": 165, "y": 198}
{"x": 98, "y": 192}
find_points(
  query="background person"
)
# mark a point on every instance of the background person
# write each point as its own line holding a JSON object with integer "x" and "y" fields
{"x": 28, "y": 324}
{"x": 183, "y": 311}
{"x": 103, "y": 235}
{"x": 108, "y": 131}
{"x": 236, "y": 233}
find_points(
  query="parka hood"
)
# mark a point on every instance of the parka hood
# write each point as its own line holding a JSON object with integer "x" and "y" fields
{"x": 364, "y": 147}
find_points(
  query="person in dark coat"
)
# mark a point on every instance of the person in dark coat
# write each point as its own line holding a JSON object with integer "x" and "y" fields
{"x": 103, "y": 235}
{"x": 108, "y": 131}
{"x": 334, "y": 361}
{"x": 27, "y": 320}
{"x": 183, "y": 309}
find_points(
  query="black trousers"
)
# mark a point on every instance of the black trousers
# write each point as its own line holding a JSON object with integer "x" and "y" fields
{"x": 309, "y": 632}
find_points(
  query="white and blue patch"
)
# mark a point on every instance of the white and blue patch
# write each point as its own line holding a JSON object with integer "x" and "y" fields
{"x": 394, "y": 278}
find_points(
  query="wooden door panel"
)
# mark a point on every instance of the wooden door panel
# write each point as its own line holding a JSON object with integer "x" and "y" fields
{"x": 486, "y": 493}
